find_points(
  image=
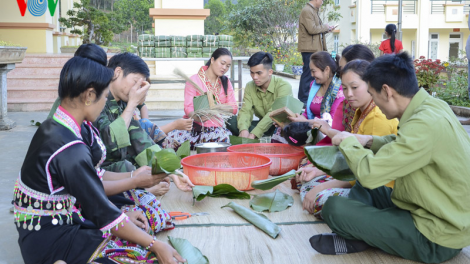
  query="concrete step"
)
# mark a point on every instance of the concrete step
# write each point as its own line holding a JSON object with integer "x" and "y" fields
{"x": 32, "y": 81}
{"x": 36, "y": 69}
{"x": 164, "y": 104}
{"x": 166, "y": 77}
{"x": 46, "y": 92}
{"x": 162, "y": 85}
{"x": 29, "y": 104}
{"x": 46, "y": 58}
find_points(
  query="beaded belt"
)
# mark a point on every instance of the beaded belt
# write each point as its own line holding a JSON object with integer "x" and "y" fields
{"x": 44, "y": 204}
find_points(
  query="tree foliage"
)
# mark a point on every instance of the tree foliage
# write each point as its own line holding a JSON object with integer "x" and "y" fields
{"x": 259, "y": 23}
{"x": 214, "y": 23}
{"x": 95, "y": 23}
{"x": 134, "y": 13}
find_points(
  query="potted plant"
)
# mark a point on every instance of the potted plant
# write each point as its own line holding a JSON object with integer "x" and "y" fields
{"x": 11, "y": 53}
{"x": 428, "y": 72}
{"x": 280, "y": 58}
{"x": 68, "y": 49}
{"x": 297, "y": 63}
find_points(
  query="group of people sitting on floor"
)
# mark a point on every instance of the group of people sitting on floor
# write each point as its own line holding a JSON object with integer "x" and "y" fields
{"x": 86, "y": 189}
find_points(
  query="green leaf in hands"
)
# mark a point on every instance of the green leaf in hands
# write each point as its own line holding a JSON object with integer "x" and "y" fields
{"x": 221, "y": 190}
{"x": 273, "y": 202}
{"x": 272, "y": 182}
{"x": 184, "y": 150}
{"x": 192, "y": 254}
{"x": 164, "y": 160}
{"x": 153, "y": 163}
{"x": 312, "y": 136}
{"x": 257, "y": 219}
{"x": 330, "y": 160}
{"x": 290, "y": 102}
{"x": 168, "y": 160}
{"x": 234, "y": 140}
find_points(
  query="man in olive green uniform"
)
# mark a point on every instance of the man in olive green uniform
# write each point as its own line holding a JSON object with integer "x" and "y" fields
{"x": 259, "y": 97}
{"x": 427, "y": 216}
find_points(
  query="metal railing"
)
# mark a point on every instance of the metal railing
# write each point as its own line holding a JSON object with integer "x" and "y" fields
{"x": 377, "y": 6}
{"x": 437, "y": 6}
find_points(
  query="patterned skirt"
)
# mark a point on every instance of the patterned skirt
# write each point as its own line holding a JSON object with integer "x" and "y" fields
{"x": 322, "y": 196}
{"x": 122, "y": 251}
{"x": 202, "y": 135}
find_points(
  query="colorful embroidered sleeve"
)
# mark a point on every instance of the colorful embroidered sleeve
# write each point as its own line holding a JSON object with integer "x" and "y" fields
{"x": 80, "y": 180}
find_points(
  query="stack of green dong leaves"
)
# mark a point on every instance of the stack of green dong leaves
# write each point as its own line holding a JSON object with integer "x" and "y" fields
{"x": 209, "y": 41}
{"x": 178, "y": 41}
{"x": 146, "y": 45}
{"x": 194, "y": 46}
{"x": 226, "y": 41}
{"x": 178, "y": 47}
{"x": 162, "y": 46}
{"x": 178, "y": 52}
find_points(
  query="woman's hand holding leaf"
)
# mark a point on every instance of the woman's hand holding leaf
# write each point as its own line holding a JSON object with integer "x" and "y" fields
{"x": 160, "y": 189}
{"x": 298, "y": 118}
{"x": 307, "y": 174}
{"x": 251, "y": 136}
{"x": 184, "y": 124}
{"x": 138, "y": 218}
{"x": 182, "y": 182}
{"x": 321, "y": 124}
{"x": 143, "y": 177}
{"x": 166, "y": 254}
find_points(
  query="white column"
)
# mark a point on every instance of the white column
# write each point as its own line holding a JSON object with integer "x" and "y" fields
{"x": 5, "y": 123}
{"x": 422, "y": 33}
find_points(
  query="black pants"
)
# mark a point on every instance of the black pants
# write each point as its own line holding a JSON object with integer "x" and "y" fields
{"x": 306, "y": 78}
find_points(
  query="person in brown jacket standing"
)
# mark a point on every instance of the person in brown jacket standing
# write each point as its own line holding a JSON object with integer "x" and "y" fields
{"x": 311, "y": 39}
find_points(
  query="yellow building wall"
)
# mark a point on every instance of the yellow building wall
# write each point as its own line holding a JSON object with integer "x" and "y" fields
{"x": 9, "y": 12}
{"x": 37, "y": 41}
{"x": 57, "y": 43}
{"x": 376, "y": 35}
{"x": 444, "y": 37}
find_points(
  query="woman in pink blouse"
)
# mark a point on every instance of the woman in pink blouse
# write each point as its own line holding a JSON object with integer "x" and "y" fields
{"x": 210, "y": 77}
{"x": 326, "y": 93}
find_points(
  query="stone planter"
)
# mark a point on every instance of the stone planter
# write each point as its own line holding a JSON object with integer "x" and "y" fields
{"x": 12, "y": 54}
{"x": 297, "y": 70}
{"x": 68, "y": 49}
{"x": 8, "y": 57}
{"x": 280, "y": 67}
